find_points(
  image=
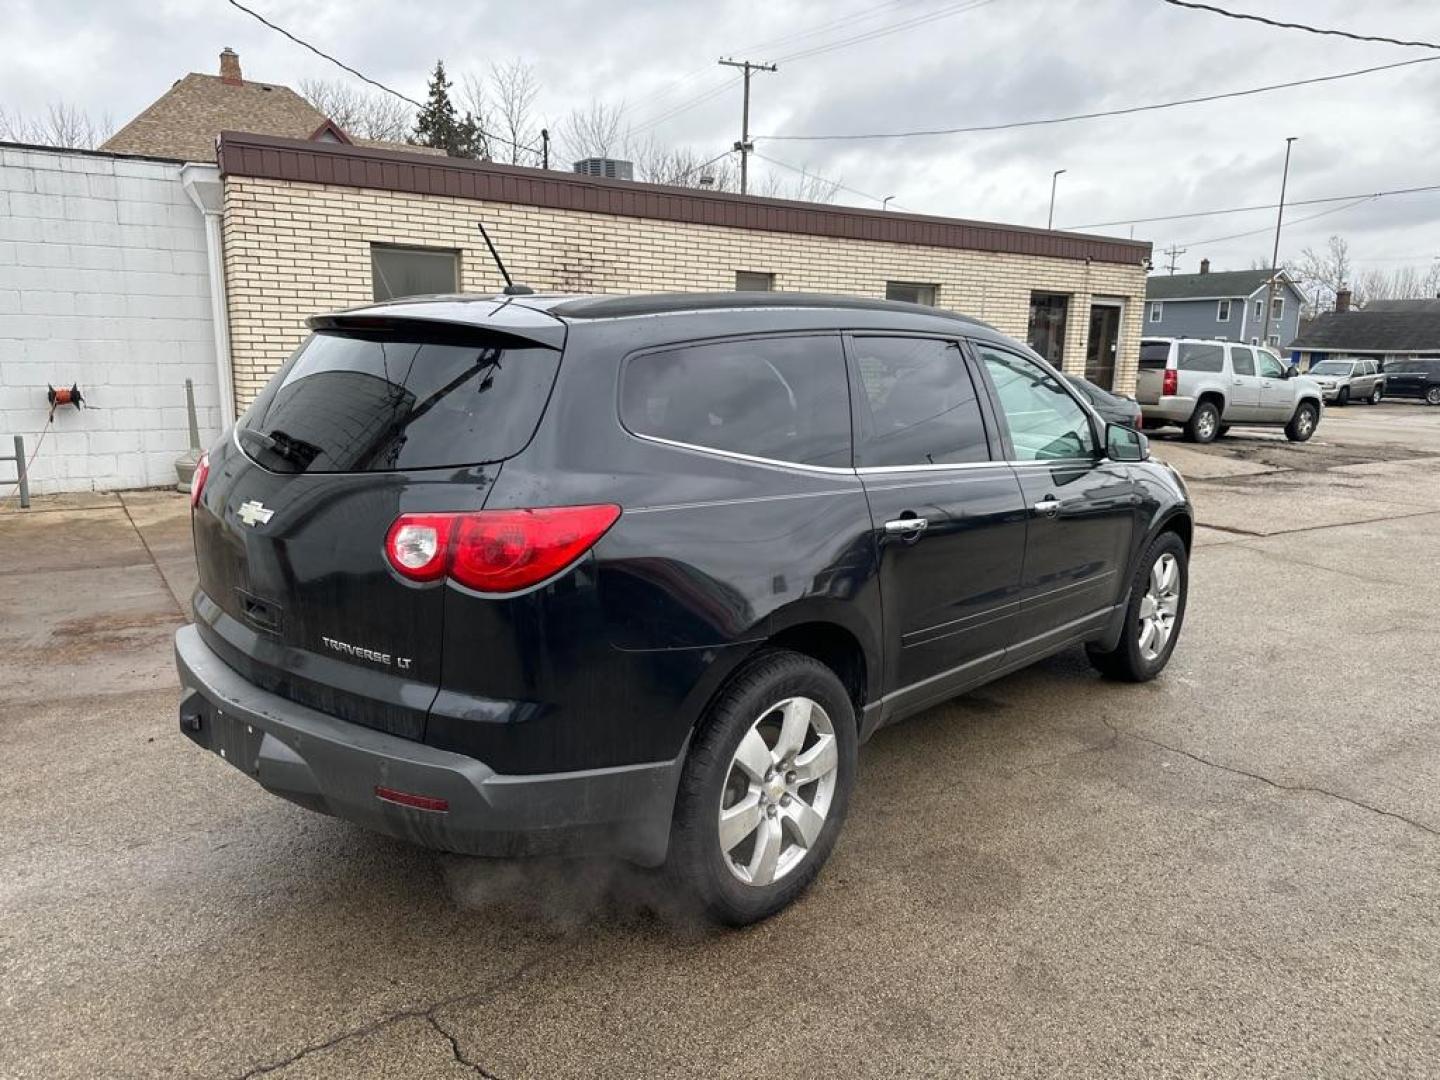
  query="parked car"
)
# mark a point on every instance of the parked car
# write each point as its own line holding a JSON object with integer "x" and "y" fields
{"x": 1206, "y": 386}
{"x": 546, "y": 573}
{"x": 1345, "y": 380}
{"x": 1419, "y": 377}
{"x": 1113, "y": 408}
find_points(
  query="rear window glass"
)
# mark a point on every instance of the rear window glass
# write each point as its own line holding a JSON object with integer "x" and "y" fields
{"x": 1153, "y": 354}
{"x": 920, "y": 404}
{"x": 377, "y": 403}
{"x": 779, "y": 398}
{"x": 1191, "y": 357}
{"x": 1242, "y": 360}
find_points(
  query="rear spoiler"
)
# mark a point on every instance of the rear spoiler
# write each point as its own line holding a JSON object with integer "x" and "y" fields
{"x": 451, "y": 317}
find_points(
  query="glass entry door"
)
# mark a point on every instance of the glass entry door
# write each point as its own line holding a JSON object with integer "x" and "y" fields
{"x": 1103, "y": 346}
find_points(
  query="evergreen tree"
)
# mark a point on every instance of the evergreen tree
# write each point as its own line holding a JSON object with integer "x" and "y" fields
{"x": 440, "y": 126}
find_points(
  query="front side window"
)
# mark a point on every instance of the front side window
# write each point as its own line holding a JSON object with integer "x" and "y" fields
{"x": 408, "y": 271}
{"x": 911, "y": 292}
{"x": 1045, "y": 422}
{"x": 1242, "y": 359}
{"x": 1270, "y": 368}
{"x": 783, "y": 398}
{"x": 918, "y": 406}
{"x": 1193, "y": 356}
{"x": 1222, "y": 311}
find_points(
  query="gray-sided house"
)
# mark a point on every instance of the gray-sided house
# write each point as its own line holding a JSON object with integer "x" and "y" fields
{"x": 1384, "y": 330}
{"x": 1229, "y": 305}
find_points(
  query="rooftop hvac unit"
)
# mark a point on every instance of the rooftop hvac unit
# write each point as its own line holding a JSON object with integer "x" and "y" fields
{"x": 609, "y": 168}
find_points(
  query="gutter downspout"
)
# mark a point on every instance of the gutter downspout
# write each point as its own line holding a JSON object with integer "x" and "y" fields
{"x": 203, "y": 185}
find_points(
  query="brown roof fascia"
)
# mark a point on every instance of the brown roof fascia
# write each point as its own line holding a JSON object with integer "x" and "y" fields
{"x": 267, "y": 157}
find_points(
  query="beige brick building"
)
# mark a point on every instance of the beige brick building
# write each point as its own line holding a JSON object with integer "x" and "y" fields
{"x": 305, "y": 226}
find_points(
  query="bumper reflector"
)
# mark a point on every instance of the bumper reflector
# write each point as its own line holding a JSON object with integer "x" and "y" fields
{"x": 415, "y": 802}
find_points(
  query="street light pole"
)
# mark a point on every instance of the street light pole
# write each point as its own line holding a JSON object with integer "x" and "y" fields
{"x": 1275, "y": 254}
{"x": 885, "y": 202}
{"x": 1054, "y": 179}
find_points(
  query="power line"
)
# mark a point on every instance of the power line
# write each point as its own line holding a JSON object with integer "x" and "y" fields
{"x": 1258, "y": 206}
{"x": 836, "y": 183}
{"x": 1291, "y": 223}
{"x": 885, "y": 31}
{"x": 358, "y": 74}
{"x": 1102, "y": 113}
{"x": 1299, "y": 26}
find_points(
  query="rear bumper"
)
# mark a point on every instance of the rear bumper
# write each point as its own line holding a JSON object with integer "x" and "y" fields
{"x": 1174, "y": 409}
{"x": 334, "y": 767}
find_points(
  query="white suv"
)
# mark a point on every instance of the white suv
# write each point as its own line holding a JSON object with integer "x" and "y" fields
{"x": 1205, "y": 386}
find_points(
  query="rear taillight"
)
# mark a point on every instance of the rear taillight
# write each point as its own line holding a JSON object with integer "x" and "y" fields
{"x": 197, "y": 480}
{"x": 1170, "y": 384}
{"x": 495, "y": 550}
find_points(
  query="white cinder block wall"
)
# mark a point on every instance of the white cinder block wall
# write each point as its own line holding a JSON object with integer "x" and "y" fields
{"x": 103, "y": 282}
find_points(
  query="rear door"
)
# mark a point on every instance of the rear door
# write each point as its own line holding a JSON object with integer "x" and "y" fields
{"x": 949, "y": 520}
{"x": 1244, "y": 385}
{"x": 355, "y": 429}
{"x": 1081, "y": 505}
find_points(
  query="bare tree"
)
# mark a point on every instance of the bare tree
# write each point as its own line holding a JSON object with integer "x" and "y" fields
{"x": 805, "y": 186}
{"x": 510, "y": 93}
{"x": 1402, "y": 283}
{"x": 596, "y": 131}
{"x": 361, "y": 114}
{"x": 59, "y": 125}
{"x": 1321, "y": 274}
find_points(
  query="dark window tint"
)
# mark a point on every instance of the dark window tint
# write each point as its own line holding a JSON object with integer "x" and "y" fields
{"x": 1413, "y": 367}
{"x": 349, "y": 403}
{"x": 1154, "y": 354}
{"x": 1046, "y": 334}
{"x": 779, "y": 398}
{"x": 1242, "y": 360}
{"x": 911, "y": 292}
{"x": 1192, "y": 357}
{"x": 400, "y": 271}
{"x": 919, "y": 406}
{"x": 1045, "y": 422}
{"x": 753, "y": 281}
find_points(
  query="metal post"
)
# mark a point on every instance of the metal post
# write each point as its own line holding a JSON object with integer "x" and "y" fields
{"x": 1275, "y": 254}
{"x": 20, "y": 472}
{"x": 545, "y": 148}
{"x": 1054, "y": 179}
{"x": 744, "y": 145}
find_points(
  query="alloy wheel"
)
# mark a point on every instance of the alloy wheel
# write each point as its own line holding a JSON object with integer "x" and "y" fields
{"x": 778, "y": 791}
{"x": 1159, "y": 607}
{"x": 1432, "y": 396}
{"x": 1305, "y": 422}
{"x": 1205, "y": 426}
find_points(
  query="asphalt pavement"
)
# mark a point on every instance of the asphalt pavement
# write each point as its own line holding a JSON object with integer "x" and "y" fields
{"x": 1233, "y": 871}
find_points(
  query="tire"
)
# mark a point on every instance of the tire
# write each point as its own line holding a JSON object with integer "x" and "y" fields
{"x": 1204, "y": 423}
{"x": 1432, "y": 396}
{"x": 1135, "y": 657}
{"x": 1222, "y": 431}
{"x": 1377, "y": 394}
{"x": 1302, "y": 425}
{"x": 1343, "y": 398}
{"x": 758, "y": 701}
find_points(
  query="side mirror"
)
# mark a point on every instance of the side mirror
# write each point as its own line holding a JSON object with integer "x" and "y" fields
{"x": 1290, "y": 373}
{"x": 1126, "y": 444}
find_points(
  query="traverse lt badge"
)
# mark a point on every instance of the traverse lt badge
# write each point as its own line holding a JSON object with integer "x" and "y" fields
{"x": 254, "y": 513}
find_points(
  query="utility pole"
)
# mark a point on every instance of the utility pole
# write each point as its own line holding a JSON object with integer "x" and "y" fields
{"x": 1174, "y": 253}
{"x": 1054, "y": 177}
{"x": 745, "y": 145}
{"x": 1275, "y": 254}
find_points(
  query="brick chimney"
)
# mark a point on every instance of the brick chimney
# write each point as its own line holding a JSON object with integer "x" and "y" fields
{"x": 1204, "y": 266}
{"x": 230, "y": 67}
{"x": 1342, "y": 299}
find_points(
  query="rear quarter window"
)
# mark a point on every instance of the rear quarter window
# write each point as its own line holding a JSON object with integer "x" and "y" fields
{"x": 1195, "y": 357}
{"x": 781, "y": 398}
{"x": 1154, "y": 354}
{"x": 349, "y": 402}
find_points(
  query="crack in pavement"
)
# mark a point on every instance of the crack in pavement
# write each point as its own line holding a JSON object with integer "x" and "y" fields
{"x": 154, "y": 563}
{"x": 1302, "y": 788}
{"x": 425, "y": 1012}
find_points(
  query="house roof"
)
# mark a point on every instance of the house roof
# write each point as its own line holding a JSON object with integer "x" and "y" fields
{"x": 185, "y": 121}
{"x": 1372, "y": 330}
{"x": 1222, "y": 285}
{"x": 1424, "y": 305}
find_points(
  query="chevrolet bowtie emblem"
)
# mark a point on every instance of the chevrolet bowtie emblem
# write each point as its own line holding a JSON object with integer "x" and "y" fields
{"x": 254, "y": 513}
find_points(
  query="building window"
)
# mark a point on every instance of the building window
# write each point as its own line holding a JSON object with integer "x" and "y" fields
{"x": 1259, "y": 310}
{"x": 1222, "y": 311}
{"x": 754, "y": 281}
{"x": 1157, "y": 311}
{"x": 911, "y": 292}
{"x": 1277, "y": 308}
{"x": 409, "y": 271}
{"x": 1273, "y": 340}
{"x": 1048, "y": 312}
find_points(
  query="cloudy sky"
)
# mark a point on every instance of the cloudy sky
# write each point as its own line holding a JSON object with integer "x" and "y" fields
{"x": 957, "y": 62}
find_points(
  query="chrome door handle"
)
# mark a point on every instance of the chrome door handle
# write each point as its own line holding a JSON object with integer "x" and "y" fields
{"x": 911, "y": 526}
{"x": 1048, "y": 507}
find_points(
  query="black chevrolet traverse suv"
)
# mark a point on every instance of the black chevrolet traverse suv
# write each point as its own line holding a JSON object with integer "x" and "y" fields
{"x": 637, "y": 574}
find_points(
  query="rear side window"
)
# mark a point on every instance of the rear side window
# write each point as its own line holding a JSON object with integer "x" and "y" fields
{"x": 1194, "y": 357}
{"x": 780, "y": 398}
{"x": 919, "y": 405}
{"x": 377, "y": 403}
{"x": 1154, "y": 354}
{"x": 1242, "y": 359}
